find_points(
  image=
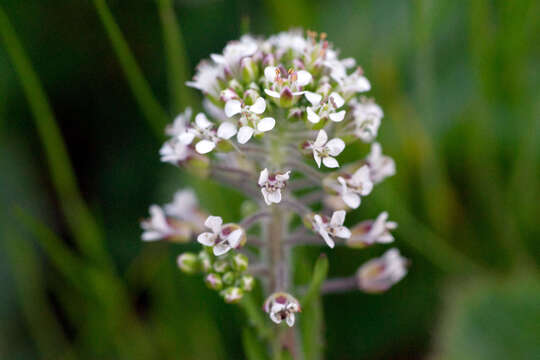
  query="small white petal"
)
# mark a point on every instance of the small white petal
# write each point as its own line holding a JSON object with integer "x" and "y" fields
{"x": 202, "y": 121}
{"x": 290, "y": 319}
{"x": 317, "y": 158}
{"x": 312, "y": 116}
{"x": 330, "y": 162}
{"x": 151, "y": 236}
{"x": 265, "y": 196}
{"x": 214, "y": 223}
{"x": 244, "y": 134}
{"x": 329, "y": 241}
{"x": 313, "y": 98}
{"x": 272, "y": 93}
{"x": 233, "y": 107}
{"x": 274, "y": 196}
{"x": 186, "y": 137}
{"x": 337, "y": 117}
{"x": 226, "y": 130}
{"x": 218, "y": 59}
{"x": 335, "y": 146}
{"x": 275, "y": 318}
{"x": 337, "y": 100}
{"x": 283, "y": 177}
{"x": 258, "y": 107}
{"x": 205, "y": 146}
{"x": 234, "y": 238}
{"x": 321, "y": 139}
{"x": 270, "y": 73}
{"x": 351, "y": 199}
{"x": 342, "y": 232}
{"x": 263, "y": 177}
{"x": 221, "y": 249}
{"x": 338, "y": 217}
{"x": 266, "y": 124}
{"x": 303, "y": 78}
{"x": 206, "y": 238}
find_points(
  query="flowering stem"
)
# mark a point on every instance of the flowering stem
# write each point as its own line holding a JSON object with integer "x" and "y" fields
{"x": 250, "y": 220}
{"x": 339, "y": 285}
{"x": 230, "y": 169}
{"x": 306, "y": 169}
{"x": 296, "y": 206}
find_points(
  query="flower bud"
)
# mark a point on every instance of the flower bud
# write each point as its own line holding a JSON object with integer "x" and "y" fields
{"x": 213, "y": 281}
{"x": 205, "y": 261}
{"x": 250, "y": 96}
{"x": 282, "y": 306}
{"x": 247, "y": 282}
{"x": 232, "y": 294}
{"x": 240, "y": 262}
{"x": 380, "y": 274}
{"x": 236, "y": 86}
{"x": 250, "y": 70}
{"x": 228, "y": 278}
{"x": 188, "y": 263}
{"x": 220, "y": 266}
{"x": 286, "y": 97}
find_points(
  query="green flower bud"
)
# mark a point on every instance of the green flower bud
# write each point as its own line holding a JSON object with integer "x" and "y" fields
{"x": 213, "y": 281}
{"x": 233, "y": 294}
{"x": 228, "y": 278}
{"x": 221, "y": 266}
{"x": 250, "y": 70}
{"x": 188, "y": 263}
{"x": 240, "y": 262}
{"x": 247, "y": 282}
{"x": 236, "y": 86}
{"x": 205, "y": 261}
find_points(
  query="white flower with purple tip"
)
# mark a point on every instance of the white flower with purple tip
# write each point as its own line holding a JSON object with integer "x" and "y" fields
{"x": 282, "y": 306}
{"x": 202, "y": 129}
{"x": 223, "y": 237}
{"x": 372, "y": 231}
{"x": 271, "y": 185}
{"x": 354, "y": 186}
{"x": 380, "y": 274}
{"x": 250, "y": 121}
{"x": 326, "y": 150}
{"x": 328, "y": 109}
{"x": 380, "y": 166}
{"x": 333, "y": 227}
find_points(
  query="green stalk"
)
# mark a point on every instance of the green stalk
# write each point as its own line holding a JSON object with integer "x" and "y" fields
{"x": 83, "y": 226}
{"x": 179, "y": 94}
{"x": 152, "y": 110}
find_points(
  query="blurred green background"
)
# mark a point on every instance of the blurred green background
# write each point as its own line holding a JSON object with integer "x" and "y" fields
{"x": 460, "y": 86}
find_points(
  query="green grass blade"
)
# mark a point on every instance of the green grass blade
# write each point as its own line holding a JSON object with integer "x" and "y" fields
{"x": 43, "y": 326}
{"x": 80, "y": 221}
{"x": 152, "y": 110}
{"x": 319, "y": 275}
{"x": 252, "y": 346}
{"x": 177, "y": 64}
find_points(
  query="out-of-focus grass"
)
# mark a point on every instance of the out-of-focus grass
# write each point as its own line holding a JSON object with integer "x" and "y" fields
{"x": 460, "y": 90}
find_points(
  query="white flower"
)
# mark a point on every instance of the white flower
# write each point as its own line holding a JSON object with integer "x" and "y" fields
{"x": 174, "y": 151}
{"x": 250, "y": 121}
{"x": 223, "y": 237}
{"x": 372, "y": 231}
{"x": 282, "y": 306}
{"x": 157, "y": 227}
{"x": 326, "y": 150}
{"x": 380, "y": 274}
{"x": 289, "y": 84}
{"x": 380, "y": 166}
{"x": 327, "y": 109}
{"x": 354, "y": 83}
{"x": 352, "y": 187}
{"x": 185, "y": 206}
{"x": 236, "y": 51}
{"x": 206, "y": 78}
{"x": 202, "y": 129}
{"x": 333, "y": 227}
{"x": 367, "y": 118}
{"x": 271, "y": 185}
{"x": 179, "y": 124}
{"x": 289, "y": 40}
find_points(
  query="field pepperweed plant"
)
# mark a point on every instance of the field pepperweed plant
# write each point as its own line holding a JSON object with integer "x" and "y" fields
{"x": 278, "y": 114}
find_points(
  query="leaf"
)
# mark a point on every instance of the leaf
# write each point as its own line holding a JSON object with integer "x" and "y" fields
{"x": 319, "y": 275}
{"x": 492, "y": 320}
{"x": 252, "y": 346}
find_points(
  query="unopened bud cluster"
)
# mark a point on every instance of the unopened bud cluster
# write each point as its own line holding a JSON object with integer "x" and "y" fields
{"x": 279, "y": 117}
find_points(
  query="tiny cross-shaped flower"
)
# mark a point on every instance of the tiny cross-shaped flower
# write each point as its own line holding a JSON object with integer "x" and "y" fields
{"x": 271, "y": 185}
{"x": 352, "y": 187}
{"x": 282, "y": 306}
{"x": 223, "y": 237}
{"x": 328, "y": 228}
{"x": 326, "y": 150}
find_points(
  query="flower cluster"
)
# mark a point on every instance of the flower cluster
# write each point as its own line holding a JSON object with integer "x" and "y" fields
{"x": 282, "y": 121}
